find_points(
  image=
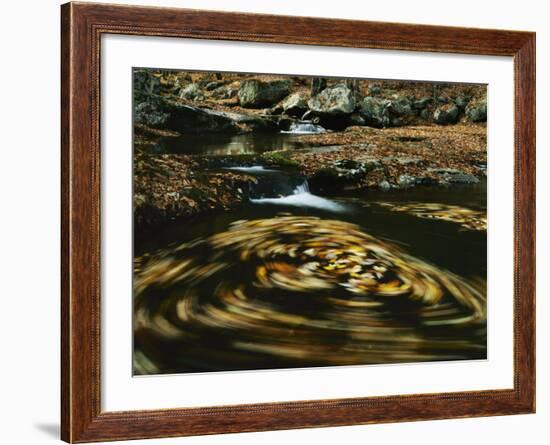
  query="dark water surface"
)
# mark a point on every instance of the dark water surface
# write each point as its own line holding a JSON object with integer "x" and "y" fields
{"x": 226, "y": 144}
{"x": 292, "y": 279}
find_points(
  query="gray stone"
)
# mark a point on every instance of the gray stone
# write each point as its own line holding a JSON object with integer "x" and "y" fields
{"x": 425, "y": 114}
{"x": 420, "y": 104}
{"x": 255, "y": 93}
{"x": 335, "y": 100}
{"x": 210, "y": 86}
{"x": 454, "y": 176}
{"x": 386, "y": 112}
{"x": 384, "y": 185}
{"x": 406, "y": 181}
{"x": 159, "y": 112}
{"x": 400, "y": 106}
{"x": 374, "y": 90}
{"x": 477, "y": 112}
{"x": 446, "y": 114}
{"x": 191, "y": 92}
{"x": 149, "y": 113}
{"x": 294, "y": 105}
{"x": 375, "y": 112}
{"x": 357, "y": 119}
{"x": 146, "y": 83}
{"x": 462, "y": 101}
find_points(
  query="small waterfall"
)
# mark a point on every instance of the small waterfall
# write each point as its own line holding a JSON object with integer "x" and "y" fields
{"x": 304, "y": 127}
{"x": 252, "y": 169}
{"x": 302, "y": 188}
{"x": 302, "y": 197}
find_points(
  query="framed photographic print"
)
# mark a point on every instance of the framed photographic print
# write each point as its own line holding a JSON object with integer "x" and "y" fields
{"x": 275, "y": 222}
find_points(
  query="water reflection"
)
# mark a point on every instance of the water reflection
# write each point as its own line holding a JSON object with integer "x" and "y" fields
{"x": 223, "y": 144}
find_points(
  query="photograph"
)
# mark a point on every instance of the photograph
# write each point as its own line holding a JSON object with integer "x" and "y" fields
{"x": 290, "y": 221}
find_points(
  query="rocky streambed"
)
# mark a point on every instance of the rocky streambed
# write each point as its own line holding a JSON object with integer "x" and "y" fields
{"x": 340, "y": 136}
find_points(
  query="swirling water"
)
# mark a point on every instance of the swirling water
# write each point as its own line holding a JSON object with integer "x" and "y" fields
{"x": 297, "y": 280}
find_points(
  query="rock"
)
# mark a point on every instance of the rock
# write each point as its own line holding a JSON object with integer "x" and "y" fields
{"x": 342, "y": 175}
{"x": 357, "y": 119}
{"x": 463, "y": 178}
{"x": 446, "y": 114}
{"x": 210, "y": 86}
{"x": 224, "y": 93}
{"x": 277, "y": 109}
{"x": 146, "y": 83}
{"x": 477, "y": 112}
{"x": 255, "y": 93}
{"x": 285, "y": 123}
{"x": 462, "y": 101}
{"x": 151, "y": 114}
{"x": 159, "y": 112}
{"x": 252, "y": 121}
{"x": 400, "y": 105}
{"x": 191, "y": 92}
{"x": 400, "y": 111}
{"x": 374, "y": 90}
{"x": 318, "y": 84}
{"x": 421, "y": 104}
{"x": 188, "y": 119}
{"x": 384, "y": 185}
{"x": 454, "y": 176}
{"x": 334, "y": 101}
{"x": 406, "y": 181}
{"x": 294, "y": 105}
{"x": 375, "y": 112}
{"x": 382, "y": 113}
{"x": 425, "y": 114}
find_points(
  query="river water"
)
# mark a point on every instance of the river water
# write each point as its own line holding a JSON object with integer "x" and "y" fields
{"x": 292, "y": 279}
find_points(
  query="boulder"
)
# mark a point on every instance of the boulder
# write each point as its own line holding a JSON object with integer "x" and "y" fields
{"x": 357, "y": 119}
{"x": 145, "y": 83}
{"x": 191, "y": 92}
{"x": 400, "y": 111}
{"x": 446, "y": 114}
{"x": 462, "y": 101}
{"x": 421, "y": 104}
{"x": 381, "y": 113}
{"x": 255, "y": 93}
{"x": 210, "y": 86}
{"x": 334, "y": 101}
{"x": 150, "y": 113}
{"x": 425, "y": 114}
{"x": 477, "y": 112}
{"x": 374, "y": 90}
{"x": 224, "y": 92}
{"x": 454, "y": 176}
{"x": 159, "y": 112}
{"x": 259, "y": 123}
{"x": 406, "y": 181}
{"x": 384, "y": 185}
{"x": 343, "y": 174}
{"x": 375, "y": 112}
{"x": 294, "y": 105}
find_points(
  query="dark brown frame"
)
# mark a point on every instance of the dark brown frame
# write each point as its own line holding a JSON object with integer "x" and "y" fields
{"x": 82, "y": 25}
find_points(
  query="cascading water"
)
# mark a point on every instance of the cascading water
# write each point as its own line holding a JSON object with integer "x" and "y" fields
{"x": 302, "y": 188}
{"x": 304, "y": 127}
{"x": 286, "y": 189}
{"x": 302, "y": 197}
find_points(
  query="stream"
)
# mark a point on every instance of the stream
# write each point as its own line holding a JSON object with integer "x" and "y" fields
{"x": 292, "y": 279}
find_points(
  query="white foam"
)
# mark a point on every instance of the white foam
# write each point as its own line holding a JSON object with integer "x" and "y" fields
{"x": 305, "y": 199}
{"x": 251, "y": 169}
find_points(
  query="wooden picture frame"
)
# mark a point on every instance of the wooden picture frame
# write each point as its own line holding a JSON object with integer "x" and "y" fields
{"x": 82, "y": 26}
